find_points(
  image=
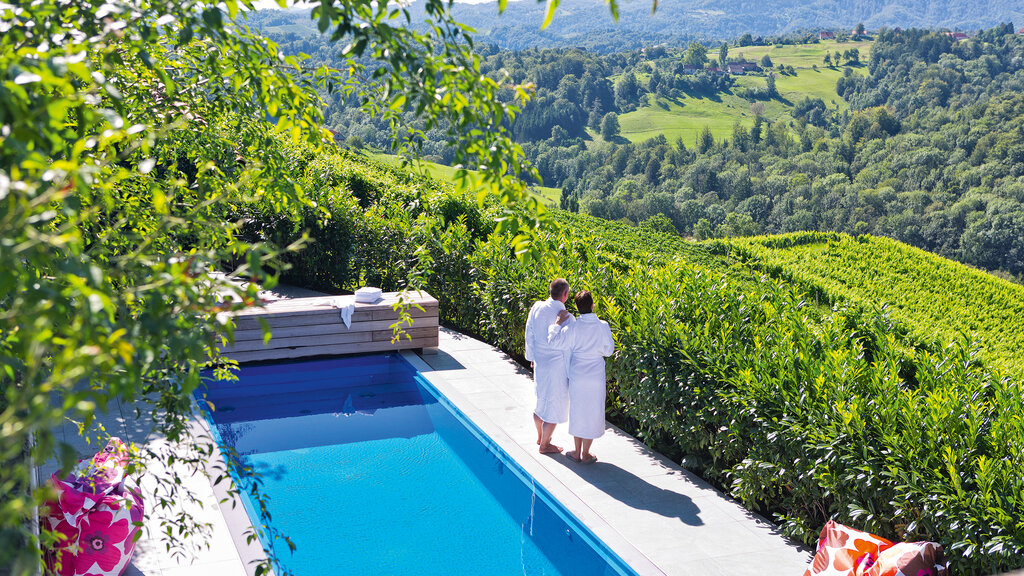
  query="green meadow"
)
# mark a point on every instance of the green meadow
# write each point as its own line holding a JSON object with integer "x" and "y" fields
{"x": 686, "y": 117}
{"x": 798, "y": 55}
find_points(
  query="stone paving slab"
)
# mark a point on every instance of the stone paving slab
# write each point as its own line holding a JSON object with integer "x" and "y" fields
{"x": 659, "y": 517}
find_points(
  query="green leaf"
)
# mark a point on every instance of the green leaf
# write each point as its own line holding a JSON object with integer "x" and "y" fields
{"x": 550, "y": 13}
{"x": 613, "y": 6}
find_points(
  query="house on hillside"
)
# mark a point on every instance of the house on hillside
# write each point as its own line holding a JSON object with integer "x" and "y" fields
{"x": 741, "y": 68}
{"x": 827, "y": 35}
{"x": 691, "y": 69}
{"x": 1020, "y": 32}
{"x": 957, "y": 36}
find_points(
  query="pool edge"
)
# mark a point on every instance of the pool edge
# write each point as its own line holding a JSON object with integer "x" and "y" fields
{"x": 231, "y": 507}
{"x": 587, "y": 516}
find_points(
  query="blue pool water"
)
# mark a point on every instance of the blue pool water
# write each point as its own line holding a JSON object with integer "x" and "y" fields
{"x": 370, "y": 470}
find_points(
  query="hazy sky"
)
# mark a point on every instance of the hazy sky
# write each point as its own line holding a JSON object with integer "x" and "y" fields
{"x": 271, "y": 4}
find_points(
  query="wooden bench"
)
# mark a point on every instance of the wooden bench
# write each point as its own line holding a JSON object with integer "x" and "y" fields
{"x": 303, "y": 327}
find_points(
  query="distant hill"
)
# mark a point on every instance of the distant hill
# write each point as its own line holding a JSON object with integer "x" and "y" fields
{"x": 589, "y": 24}
{"x": 687, "y": 115}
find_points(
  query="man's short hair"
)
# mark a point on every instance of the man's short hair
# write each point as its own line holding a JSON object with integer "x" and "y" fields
{"x": 584, "y": 302}
{"x": 559, "y": 287}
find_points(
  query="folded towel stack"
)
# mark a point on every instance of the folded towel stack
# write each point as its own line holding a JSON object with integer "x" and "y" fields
{"x": 368, "y": 294}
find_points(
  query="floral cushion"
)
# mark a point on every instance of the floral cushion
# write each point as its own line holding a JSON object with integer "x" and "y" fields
{"x": 95, "y": 516}
{"x": 845, "y": 551}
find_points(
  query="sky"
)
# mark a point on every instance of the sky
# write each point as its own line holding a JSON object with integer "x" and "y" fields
{"x": 271, "y": 4}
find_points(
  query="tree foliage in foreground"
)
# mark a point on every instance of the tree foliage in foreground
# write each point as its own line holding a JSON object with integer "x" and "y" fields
{"x": 134, "y": 136}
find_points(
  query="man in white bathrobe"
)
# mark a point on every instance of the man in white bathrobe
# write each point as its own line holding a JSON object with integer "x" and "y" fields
{"x": 549, "y": 362}
{"x": 588, "y": 340}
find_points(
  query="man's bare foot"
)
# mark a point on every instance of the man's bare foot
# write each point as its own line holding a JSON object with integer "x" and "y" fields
{"x": 573, "y": 456}
{"x": 588, "y": 458}
{"x": 550, "y": 449}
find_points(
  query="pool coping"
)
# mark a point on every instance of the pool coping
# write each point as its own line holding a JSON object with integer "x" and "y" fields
{"x": 237, "y": 520}
{"x": 597, "y": 525}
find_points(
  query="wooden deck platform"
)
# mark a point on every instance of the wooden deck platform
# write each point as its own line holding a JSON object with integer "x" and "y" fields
{"x": 303, "y": 327}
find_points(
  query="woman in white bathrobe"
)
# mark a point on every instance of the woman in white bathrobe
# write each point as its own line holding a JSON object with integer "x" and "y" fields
{"x": 587, "y": 340}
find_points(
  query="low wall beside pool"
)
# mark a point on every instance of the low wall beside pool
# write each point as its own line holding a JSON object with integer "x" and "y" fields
{"x": 316, "y": 326}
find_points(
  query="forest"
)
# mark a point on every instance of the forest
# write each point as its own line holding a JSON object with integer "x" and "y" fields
{"x": 927, "y": 147}
{"x": 591, "y": 25}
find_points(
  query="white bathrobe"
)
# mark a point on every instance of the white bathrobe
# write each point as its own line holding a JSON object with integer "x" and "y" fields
{"x": 549, "y": 362}
{"x": 588, "y": 340}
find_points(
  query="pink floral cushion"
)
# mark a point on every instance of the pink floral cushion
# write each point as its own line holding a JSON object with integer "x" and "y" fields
{"x": 95, "y": 516}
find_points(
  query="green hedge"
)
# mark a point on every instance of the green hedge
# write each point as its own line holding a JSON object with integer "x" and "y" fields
{"x": 802, "y": 412}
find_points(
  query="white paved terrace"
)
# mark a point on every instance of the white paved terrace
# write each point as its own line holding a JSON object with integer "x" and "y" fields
{"x": 660, "y": 518}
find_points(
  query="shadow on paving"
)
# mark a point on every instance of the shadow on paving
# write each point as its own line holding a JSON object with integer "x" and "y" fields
{"x": 634, "y": 491}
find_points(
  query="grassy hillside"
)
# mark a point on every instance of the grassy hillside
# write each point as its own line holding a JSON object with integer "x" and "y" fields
{"x": 686, "y": 117}
{"x": 937, "y": 299}
{"x": 800, "y": 55}
{"x": 549, "y": 196}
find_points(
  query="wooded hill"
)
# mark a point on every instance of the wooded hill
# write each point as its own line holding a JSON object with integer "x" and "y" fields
{"x": 589, "y": 24}
{"x": 921, "y": 139}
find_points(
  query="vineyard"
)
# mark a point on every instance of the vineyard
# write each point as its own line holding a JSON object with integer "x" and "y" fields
{"x": 937, "y": 299}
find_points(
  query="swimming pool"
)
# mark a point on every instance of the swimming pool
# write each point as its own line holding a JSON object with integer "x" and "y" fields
{"x": 370, "y": 470}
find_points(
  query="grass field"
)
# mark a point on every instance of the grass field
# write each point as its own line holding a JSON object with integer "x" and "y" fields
{"x": 686, "y": 117}
{"x": 549, "y": 196}
{"x": 799, "y": 55}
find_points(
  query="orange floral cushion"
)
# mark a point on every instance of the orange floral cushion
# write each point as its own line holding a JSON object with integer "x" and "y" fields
{"x": 844, "y": 551}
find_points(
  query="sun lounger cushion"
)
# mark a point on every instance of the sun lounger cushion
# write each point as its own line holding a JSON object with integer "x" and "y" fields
{"x": 911, "y": 559}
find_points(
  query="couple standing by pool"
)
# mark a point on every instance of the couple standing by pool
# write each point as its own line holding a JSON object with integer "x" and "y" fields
{"x": 568, "y": 368}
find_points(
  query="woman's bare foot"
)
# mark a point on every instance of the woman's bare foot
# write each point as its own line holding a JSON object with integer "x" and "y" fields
{"x": 550, "y": 449}
{"x": 588, "y": 458}
{"x": 573, "y": 455}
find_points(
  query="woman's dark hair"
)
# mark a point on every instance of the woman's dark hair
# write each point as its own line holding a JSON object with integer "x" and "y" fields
{"x": 584, "y": 302}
